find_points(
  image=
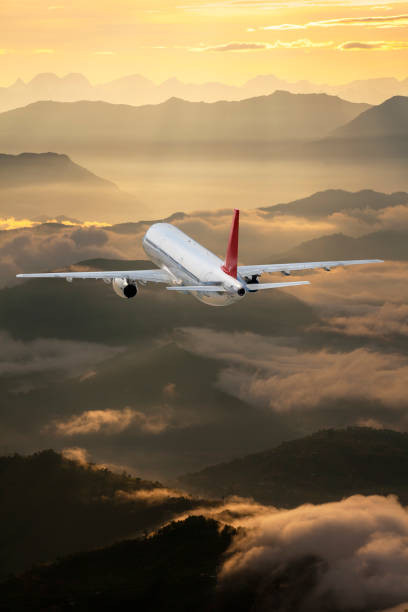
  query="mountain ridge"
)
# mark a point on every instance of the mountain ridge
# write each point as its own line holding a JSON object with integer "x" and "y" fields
{"x": 137, "y": 89}
{"x": 326, "y": 466}
{"x": 85, "y": 125}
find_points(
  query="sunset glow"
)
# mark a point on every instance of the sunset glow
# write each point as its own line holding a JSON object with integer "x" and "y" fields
{"x": 237, "y": 40}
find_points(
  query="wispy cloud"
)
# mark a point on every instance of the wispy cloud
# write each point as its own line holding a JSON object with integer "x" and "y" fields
{"x": 110, "y": 422}
{"x": 303, "y": 43}
{"x": 150, "y": 496}
{"x": 264, "y": 372}
{"x": 77, "y": 454}
{"x": 385, "y": 21}
{"x": 19, "y": 358}
{"x": 11, "y": 223}
{"x": 43, "y": 51}
{"x": 251, "y": 6}
{"x": 375, "y": 45}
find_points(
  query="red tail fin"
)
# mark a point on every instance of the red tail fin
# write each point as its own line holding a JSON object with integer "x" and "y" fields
{"x": 231, "y": 258}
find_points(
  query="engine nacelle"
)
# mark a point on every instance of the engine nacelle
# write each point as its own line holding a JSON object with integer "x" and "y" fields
{"x": 123, "y": 288}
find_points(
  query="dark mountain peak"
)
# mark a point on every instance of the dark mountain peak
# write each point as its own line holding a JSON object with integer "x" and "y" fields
{"x": 175, "y": 101}
{"x": 389, "y": 119}
{"x": 395, "y": 101}
{"x": 325, "y": 466}
{"x": 329, "y": 201}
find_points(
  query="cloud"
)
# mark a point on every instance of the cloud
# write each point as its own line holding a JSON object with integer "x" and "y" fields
{"x": 77, "y": 454}
{"x": 357, "y": 291}
{"x": 382, "y": 22}
{"x": 151, "y": 496}
{"x": 245, "y": 6}
{"x": 264, "y": 372}
{"x": 384, "y": 321}
{"x": 104, "y": 52}
{"x": 19, "y": 358}
{"x": 377, "y": 45}
{"x": 351, "y": 554}
{"x": 11, "y": 223}
{"x": 110, "y": 422}
{"x": 43, "y": 51}
{"x": 233, "y": 510}
{"x": 46, "y": 246}
{"x": 303, "y": 43}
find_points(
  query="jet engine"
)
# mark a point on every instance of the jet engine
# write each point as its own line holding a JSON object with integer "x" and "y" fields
{"x": 124, "y": 288}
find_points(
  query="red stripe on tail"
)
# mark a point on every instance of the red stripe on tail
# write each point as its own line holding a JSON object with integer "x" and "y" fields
{"x": 231, "y": 258}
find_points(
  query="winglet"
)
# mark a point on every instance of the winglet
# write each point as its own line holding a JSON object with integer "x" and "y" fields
{"x": 231, "y": 258}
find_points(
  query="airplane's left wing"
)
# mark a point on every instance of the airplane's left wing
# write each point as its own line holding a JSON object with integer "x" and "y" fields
{"x": 287, "y": 268}
{"x": 148, "y": 276}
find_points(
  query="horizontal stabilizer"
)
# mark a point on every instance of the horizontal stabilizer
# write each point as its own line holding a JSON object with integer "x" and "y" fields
{"x": 258, "y": 286}
{"x": 200, "y": 288}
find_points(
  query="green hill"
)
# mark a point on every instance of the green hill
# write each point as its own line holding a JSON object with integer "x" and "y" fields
{"x": 51, "y": 506}
{"x": 325, "y": 466}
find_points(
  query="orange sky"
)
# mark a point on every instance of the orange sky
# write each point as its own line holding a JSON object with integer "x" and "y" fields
{"x": 197, "y": 40}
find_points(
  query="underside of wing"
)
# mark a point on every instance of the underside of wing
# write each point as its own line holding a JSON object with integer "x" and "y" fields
{"x": 287, "y": 268}
{"x": 198, "y": 288}
{"x": 221, "y": 289}
{"x": 148, "y": 276}
{"x": 261, "y": 286}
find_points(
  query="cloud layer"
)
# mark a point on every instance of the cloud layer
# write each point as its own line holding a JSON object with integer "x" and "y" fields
{"x": 260, "y": 370}
{"x": 346, "y": 555}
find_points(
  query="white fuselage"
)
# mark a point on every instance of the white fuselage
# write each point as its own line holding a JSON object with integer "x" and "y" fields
{"x": 189, "y": 263}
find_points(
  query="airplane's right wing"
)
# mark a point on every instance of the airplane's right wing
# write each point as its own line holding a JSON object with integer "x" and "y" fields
{"x": 308, "y": 265}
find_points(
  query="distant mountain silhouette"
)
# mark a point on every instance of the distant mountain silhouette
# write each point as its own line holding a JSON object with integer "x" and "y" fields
{"x": 379, "y": 133}
{"x": 94, "y": 125}
{"x": 46, "y": 169}
{"x": 330, "y": 201}
{"x": 389, "y": 119}
{"x": 384, "y": 244}
{"x": 325, "y": 466}
{"x": 138, "y": 90}
{"x": 50, "y": 185}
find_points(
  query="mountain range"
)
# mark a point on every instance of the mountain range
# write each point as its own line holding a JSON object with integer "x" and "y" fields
{"x": 87, "y": 126}
{"x": 81, "y": 505}
{"x": 138, "y": 90}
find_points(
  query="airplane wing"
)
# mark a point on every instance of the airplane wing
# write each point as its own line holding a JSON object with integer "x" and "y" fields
{"x": 309, "y": 265}
{"x": 149, "y": 276}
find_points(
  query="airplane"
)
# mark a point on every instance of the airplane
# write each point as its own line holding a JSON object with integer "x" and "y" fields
{"x": 186, "y": 266}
